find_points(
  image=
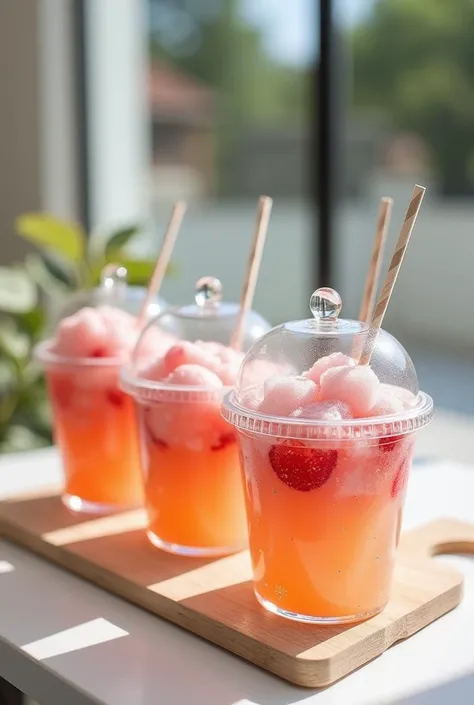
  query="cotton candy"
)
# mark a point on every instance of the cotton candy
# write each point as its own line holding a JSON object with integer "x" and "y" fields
{"x": 336, "y": 359}
{"x": 356, "y": 386}
{"x": 283, "y": 395}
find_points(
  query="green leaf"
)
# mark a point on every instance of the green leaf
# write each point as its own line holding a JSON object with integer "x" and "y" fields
{"x": 139, "y": 271}
{"x": 33, "y": 322}
{"x": 41, "y": 275}
{"x": 13, "y": 344}
{"x": 118, "y": 241}
{"x": 45, "y": 231}
{"x": 8, "y": 376}
{"x": 19, "y": 438}
{"x": 18, "y": 293}
{"x": 59, "y": 271}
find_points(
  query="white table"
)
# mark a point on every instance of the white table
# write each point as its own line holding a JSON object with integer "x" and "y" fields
{"x": 65, "y": 642}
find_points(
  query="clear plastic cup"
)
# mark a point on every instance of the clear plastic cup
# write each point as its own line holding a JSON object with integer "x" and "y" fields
{"x": 325, "y": 496}
{"x": 190, "y": 458}
{"x": 93, "y": 420}
{"x": 95, "y": 430}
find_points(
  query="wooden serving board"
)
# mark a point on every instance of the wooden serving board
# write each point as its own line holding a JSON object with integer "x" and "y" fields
{"x": 214, "y": 598}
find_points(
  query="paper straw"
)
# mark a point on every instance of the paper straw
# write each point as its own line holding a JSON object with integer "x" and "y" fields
{"x": 162, "y": 262}
{"x": 373, "y": 274}
{"x": 392, "y": 274}
{"x": 263, "y": 218}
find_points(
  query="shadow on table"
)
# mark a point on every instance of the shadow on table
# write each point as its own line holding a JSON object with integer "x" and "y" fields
{"x": 240, "y": 610}
{"x": 41, "y": 514}
{"x": 459, "y": 691}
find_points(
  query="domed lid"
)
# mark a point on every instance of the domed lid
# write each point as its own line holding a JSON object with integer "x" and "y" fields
{"x": 112, "y": 290}
{"x": 302, "y": 380}
{"x": 203, "y": 333}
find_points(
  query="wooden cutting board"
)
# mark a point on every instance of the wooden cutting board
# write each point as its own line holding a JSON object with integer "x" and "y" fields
{"x": 214, "y": 598}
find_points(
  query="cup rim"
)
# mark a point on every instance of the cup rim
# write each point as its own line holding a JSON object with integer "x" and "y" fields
{"x": 404, "y": 422}
{"x": 149, "y": 391}
{"x": 42, "y": 353}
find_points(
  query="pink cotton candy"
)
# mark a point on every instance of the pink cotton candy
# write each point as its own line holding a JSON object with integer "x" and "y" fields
{"x": 387, "y": 404}
{"x": 324, "y": 411}
{"x": 222, "y": 361}
{"x": 84, "y": 334}
{"x": 105, "y": 331}
{"x": 356, "y": 386}
{"x": 405, "y": 397}
{"x": 336, "y": 359}
{"x": 283, "y": 395}
{"x": 196, "y": 426}
{"x": 155, "y": 343}
{"x": 194, "y": 376}
{"x": 252, "y": 398}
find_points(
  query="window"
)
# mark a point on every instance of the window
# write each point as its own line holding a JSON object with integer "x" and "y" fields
{"x": 408, "y": 119}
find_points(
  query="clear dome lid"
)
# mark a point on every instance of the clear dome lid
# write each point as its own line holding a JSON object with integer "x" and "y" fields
{"x": 113, "y": 290}
{"x": 202, "y": 332}
{"x": 302, "y": 380}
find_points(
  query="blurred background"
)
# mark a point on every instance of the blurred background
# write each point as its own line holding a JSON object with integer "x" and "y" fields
{"x": 113, "y": 109}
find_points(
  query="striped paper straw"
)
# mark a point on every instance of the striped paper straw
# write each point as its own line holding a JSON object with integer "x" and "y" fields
{"x": 392, "y": 274}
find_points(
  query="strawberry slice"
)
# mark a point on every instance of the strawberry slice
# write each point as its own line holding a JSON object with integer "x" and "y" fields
{"x": 116, "y": 397}
{"x": 99, "y": 352}
{"x": 300, "y": 467}
{"x": 389, "y": 443}
{"x": 225, "y": 440}
{"x": 62, "y": 393}
{"x": 401, "y": 478}
{"x": 151, "y": 438}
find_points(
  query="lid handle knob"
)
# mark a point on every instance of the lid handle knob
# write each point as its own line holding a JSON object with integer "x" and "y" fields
{"x": 208, "y": 292}
{"x": 325, "y": 304}
{"x": 113, "y": 283}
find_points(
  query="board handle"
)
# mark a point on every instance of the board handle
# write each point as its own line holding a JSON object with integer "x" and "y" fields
{"x": 440, "y": 537}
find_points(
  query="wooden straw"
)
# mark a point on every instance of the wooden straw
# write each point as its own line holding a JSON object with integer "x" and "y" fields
{"x": 169, "y": 241}
{"x": 373, "y": 274}
{"x": 263, "y": 218}
{"x": 392, "y": 274}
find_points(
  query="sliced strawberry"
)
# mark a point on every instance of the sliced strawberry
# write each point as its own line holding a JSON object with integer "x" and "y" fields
{"x": 116, "y": 397}
{"x": 99, "y": 352}
{"x": 151, "y": 438}
{"x": 157, "y": 441}
{"x": 389, "y": 443}
{"x": 401, "y": 478}
{"x": 225, "y": 440}
{"x": 62, "y": 393}
{"x": 302, "y": 468}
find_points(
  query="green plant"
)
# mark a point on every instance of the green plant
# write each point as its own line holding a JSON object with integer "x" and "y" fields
{"x": 25, "y": 421}
{"x": 65, "y": 261}
{"x": 68, "y": 260}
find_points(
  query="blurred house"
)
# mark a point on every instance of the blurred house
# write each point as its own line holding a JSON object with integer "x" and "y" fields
{"x": 183, "y": 135}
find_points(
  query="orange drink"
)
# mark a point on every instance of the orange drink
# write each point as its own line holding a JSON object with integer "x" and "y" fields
{"x": 193, "y": 486}
{"x": 96, "y": 432}
{"x": 190, "y": 456}
{"x": 326, "y": 448}
{"x": 93, "y": 420}
{"x": 324, "y": 523}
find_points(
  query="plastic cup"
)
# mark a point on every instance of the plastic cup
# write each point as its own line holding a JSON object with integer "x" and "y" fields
{"x": 190, "y": 457}
{"x": 96, "y": 432}
{"x": 325, "y": 498}
{"x": 192, "y": 482}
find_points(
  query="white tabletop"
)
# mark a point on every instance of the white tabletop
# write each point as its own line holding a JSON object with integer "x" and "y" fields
{"x": 64, "y": 641}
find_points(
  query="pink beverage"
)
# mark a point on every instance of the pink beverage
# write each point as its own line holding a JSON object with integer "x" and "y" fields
{"x": 326, "y": 448}
{"x": 190, "y": 457}
{"x": 94, "y": 421}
